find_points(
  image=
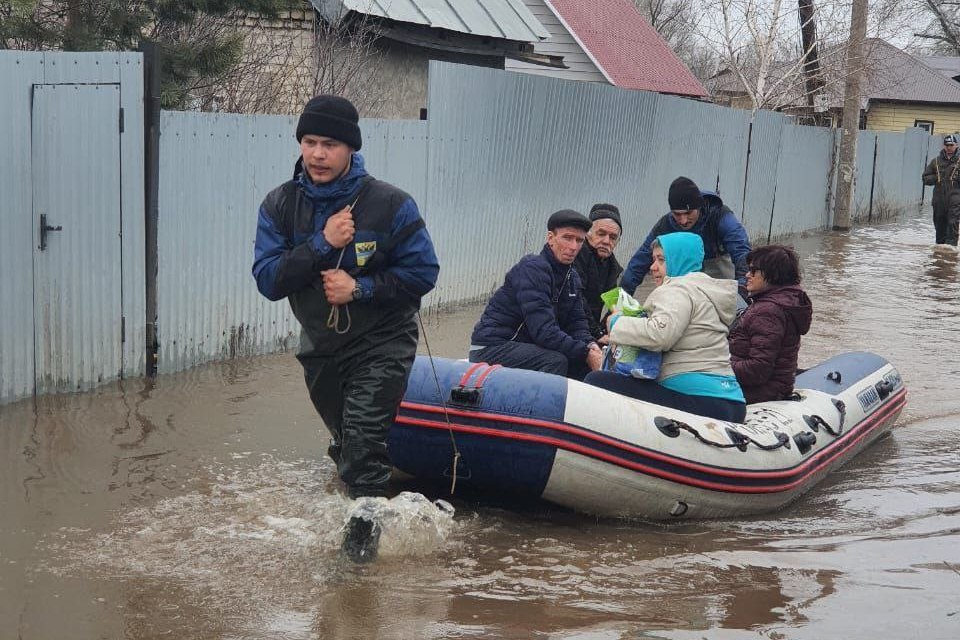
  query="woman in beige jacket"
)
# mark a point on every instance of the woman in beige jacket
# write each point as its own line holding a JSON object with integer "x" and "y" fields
{"x": 688, "y": 318}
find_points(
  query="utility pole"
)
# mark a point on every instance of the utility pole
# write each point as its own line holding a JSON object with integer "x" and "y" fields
{"x": 813, "y": 79}
{"x": 847, "y": 173}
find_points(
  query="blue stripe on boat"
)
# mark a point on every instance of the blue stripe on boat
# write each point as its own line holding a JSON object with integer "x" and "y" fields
{"x": 520, "y": 467}
{"x": 853, "y": 367}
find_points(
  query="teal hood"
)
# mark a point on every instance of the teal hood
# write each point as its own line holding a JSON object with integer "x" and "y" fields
{"x": 683, "y": 253}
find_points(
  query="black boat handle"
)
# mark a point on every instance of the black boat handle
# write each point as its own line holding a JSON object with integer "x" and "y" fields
{"x": 44, "y": 229}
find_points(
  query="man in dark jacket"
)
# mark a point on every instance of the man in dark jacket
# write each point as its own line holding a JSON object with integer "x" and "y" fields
{"x": 702, "y": 212}
{"x": 536, "y": 319}
{"x": 353, "y": 257}
{"x": 597, "y": 266}
{"x": 766, "y": 342}
{"x": 942, "y": 175}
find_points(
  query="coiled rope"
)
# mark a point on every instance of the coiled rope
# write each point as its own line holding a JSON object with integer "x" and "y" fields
{"x": 333, "y": 320}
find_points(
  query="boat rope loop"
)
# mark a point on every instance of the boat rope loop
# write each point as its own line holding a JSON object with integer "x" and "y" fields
{"x": 443, "y": 403}
{"x": 671, "y": 428}
{"x": 816, "y": 421}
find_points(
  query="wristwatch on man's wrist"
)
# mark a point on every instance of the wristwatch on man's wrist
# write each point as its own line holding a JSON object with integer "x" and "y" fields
{"x": 357, "y": 291}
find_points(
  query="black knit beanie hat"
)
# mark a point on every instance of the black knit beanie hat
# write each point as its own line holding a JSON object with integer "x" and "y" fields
{"x": 602, "y": 210}
{"x": 684, "y": 195}
{"x": 331, "y": 117}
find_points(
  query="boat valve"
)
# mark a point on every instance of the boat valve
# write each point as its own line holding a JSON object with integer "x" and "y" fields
{"x": 805, "y": 440}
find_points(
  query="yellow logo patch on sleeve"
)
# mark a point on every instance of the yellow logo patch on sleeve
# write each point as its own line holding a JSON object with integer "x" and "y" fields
{"x": 364, "y": 251}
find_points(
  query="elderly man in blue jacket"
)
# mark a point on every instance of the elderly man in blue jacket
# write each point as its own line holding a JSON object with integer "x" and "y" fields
{"x": 352, "y": 256}
{"x": 702, "y": 212}
{"x": 536, "y": 320}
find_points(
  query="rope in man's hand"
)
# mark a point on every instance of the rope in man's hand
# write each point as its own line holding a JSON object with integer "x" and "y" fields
{"x": 333, "y": 320}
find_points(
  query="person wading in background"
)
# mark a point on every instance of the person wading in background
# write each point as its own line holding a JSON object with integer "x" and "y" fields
{"x": 352, "y": 256}
{"x": 941, "y": 174}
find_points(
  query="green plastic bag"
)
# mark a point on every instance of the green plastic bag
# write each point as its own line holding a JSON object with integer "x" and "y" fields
{"x": 625, "y": 359}
{"x": 619, "y": 301}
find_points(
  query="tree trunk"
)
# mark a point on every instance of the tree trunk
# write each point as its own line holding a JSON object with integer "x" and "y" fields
{"x": 813, "y": 80}
{"x": 74, "y": 28}
{"x": 846, "y": 177}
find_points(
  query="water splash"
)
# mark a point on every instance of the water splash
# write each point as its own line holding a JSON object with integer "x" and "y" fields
{"x": 269, "y": 533}
{"x": 411, "y": 524}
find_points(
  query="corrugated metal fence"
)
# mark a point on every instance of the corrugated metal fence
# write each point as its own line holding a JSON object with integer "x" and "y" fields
{"x": 499, "y": 152}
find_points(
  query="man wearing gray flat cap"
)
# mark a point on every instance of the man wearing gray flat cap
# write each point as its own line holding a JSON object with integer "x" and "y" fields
{"x": 536, "y": 320}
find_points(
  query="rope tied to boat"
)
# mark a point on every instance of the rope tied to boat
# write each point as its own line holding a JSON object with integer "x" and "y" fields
{"x": 443, "y": 404}
{"x": 671, "y": 428}
{"x": 815, "y": 421}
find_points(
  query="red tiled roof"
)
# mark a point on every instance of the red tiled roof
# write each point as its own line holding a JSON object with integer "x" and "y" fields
{"x": 627, "y": 48}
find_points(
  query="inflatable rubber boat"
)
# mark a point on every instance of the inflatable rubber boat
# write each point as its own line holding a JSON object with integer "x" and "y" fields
{"x": 535, "y": 434}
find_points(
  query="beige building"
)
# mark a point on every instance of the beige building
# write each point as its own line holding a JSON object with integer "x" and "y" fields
{"x": 899, "y": 91}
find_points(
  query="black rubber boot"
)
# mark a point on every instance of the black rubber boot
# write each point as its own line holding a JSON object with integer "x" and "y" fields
{"x": 362, "y": 540}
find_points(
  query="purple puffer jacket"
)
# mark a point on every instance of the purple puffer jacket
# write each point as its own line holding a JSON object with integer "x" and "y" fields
{"x": 765, "y": 343}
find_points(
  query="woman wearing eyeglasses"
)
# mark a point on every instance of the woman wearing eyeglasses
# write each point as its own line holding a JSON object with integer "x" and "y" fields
{"x": 765, "y": 344}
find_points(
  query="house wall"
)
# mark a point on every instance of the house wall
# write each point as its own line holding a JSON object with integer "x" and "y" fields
{"x": 560, "y": 43}
{"x": 385, "y": 79}
{"x": 397, "y": 88}
{"x": 897, "y": 117}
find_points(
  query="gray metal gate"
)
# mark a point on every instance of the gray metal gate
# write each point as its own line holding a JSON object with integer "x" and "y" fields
{"x": 77, "y": 268}
{"x": 73, "y": 158}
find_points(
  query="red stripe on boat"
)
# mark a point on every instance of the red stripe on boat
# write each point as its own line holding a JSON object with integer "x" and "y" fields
{"x": 470, "y": 371}
{"x": 483, "y": 376}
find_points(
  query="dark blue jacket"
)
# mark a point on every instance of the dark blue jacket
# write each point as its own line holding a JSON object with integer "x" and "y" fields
{"x": 391, "y": 257}
{"x": 539, "y": 303}
{"x": 722, "y": 234}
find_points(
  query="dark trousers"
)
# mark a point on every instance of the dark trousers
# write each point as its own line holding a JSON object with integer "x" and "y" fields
{"x": 357, "y": 393}
{"x": 946, "y": 218}
{"x": 651, "y": 391}
{"x": 523, "y": 355}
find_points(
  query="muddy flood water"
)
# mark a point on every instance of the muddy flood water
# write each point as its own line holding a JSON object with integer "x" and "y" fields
{"x": 202, "y": 505}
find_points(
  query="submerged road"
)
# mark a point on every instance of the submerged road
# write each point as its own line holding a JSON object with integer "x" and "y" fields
{"x": 201, "y": 505}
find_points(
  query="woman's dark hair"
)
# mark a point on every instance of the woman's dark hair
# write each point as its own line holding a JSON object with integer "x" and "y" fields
{"x": 778, "y": 264}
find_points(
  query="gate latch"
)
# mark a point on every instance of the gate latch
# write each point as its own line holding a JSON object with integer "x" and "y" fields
{"x": 44, "y": 229}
